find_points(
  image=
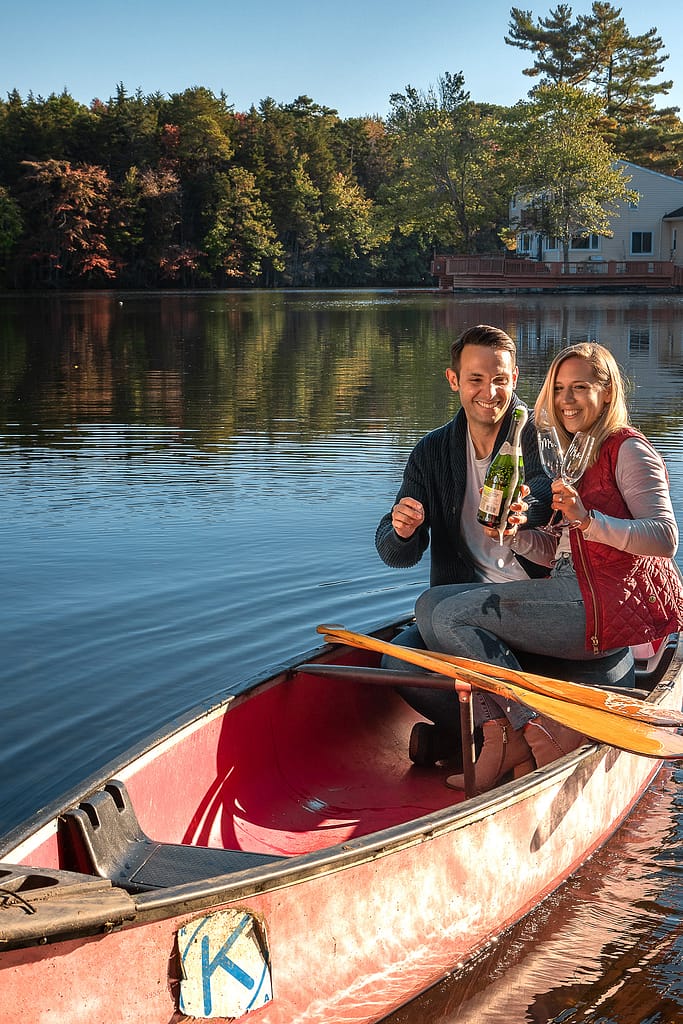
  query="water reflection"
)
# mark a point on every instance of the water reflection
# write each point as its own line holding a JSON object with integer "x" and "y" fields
{"x": 224, "y": 363}
{"x": 604, "y": 949}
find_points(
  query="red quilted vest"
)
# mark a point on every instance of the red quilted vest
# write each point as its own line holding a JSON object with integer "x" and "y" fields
{"x": 629, "y": 599}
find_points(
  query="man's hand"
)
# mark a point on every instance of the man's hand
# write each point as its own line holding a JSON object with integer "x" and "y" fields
{"x": 516, "y": 517}
{"x": 406, "y": 516}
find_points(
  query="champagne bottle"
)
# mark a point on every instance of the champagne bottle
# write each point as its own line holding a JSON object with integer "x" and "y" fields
{"x": 504, "y": 478}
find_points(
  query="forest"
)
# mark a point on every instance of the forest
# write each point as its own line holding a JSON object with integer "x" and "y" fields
{"x": 183, "y": 191}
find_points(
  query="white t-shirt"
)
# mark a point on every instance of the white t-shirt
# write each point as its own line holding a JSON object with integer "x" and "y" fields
{"x": 493, "y": 562}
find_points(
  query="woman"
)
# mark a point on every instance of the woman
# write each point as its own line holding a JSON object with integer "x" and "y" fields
{"x": 612, "y": 582}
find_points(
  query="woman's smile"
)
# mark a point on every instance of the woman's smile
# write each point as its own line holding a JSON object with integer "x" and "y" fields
{"x": 579, "y": 398}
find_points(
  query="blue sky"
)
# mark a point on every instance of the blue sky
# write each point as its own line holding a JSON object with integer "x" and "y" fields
{"x": 350, "y": 56}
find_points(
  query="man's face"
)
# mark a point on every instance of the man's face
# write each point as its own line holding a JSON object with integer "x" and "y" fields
{"x": 484, "y": 384}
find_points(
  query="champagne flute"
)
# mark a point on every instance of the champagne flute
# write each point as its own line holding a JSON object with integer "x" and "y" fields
{"x": 551, "y": 454}
{"x": 574, "y": 463}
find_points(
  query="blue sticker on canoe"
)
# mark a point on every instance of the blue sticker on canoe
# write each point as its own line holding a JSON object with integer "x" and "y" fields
{"x": 225, "y": 967}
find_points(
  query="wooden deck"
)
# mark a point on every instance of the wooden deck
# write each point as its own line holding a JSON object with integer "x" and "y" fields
{"x": 505, "y": 274}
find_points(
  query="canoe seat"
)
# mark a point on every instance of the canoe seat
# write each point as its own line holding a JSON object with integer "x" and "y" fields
{"x": 104, "y": 830}
{"x": 615, "y": 669}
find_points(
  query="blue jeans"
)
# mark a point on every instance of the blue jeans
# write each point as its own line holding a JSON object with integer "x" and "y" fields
{"x": 441, "y": 706}
{"x": 545, "y": 616}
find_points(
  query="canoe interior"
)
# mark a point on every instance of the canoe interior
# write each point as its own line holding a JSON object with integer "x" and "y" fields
{"x": 296, "y": 765}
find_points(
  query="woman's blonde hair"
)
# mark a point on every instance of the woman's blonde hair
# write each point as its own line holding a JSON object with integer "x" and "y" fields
{"x": 607, "y": 373}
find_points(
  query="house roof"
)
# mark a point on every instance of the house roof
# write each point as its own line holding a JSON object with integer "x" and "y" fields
{"x": 674, "y": 215}
{"x": 648, "y": 170}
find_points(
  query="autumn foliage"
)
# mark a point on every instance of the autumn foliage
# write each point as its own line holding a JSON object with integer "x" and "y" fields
{"x": 183, "y": 191}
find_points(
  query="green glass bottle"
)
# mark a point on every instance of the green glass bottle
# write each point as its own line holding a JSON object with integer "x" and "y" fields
{"x": 505, "y": 477}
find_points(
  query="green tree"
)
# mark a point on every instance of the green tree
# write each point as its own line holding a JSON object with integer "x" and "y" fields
{"x": 298, "y": 168}
{"x": 563, "y": 171}
{"x": 594, "y": 50}
{"x": 364, "y": 152}
{"x": 553, "y": 41}
{"x": 242, "y": 243}
{"x": 56, "y": 128}
{"x": 351, "y": 230}
{"x": 11, "y": 226}
{"x": 305, "y": 224}
{"x": 447, "y": 185}
{"x": 126, "y": 132}
{"x": 290, "y": 149}
{"x": 200, "y": 126}
{"x": 144, "y": 223}
{"x": 597, "y": 52}
{"x": 654, "y": 141}
{"x": 619, "y": 67}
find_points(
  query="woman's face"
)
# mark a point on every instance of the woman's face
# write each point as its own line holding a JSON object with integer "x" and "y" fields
{"x": 578, "y": 395}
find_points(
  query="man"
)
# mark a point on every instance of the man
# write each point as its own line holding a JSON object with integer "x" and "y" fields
{"x": 438, "y": 501}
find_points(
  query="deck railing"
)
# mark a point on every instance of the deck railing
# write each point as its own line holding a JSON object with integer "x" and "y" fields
{"x": 489, "y": 271}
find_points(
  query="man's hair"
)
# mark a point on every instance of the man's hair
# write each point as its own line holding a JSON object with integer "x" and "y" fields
{"x": 482, "y": 334}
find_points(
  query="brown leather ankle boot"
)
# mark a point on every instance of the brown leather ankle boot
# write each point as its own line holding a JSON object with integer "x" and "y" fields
{"x": 549, "y": 740}
{"x": 504, "y": 749}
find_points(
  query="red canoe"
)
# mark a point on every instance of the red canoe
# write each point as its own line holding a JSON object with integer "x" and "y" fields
{"x": 275, "y": 854}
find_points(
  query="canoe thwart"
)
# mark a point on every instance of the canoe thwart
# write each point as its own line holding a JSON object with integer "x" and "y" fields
{"x": 381, "y": 676}
{"x": 105, "y": 829}
{"x": 426, "y": 680}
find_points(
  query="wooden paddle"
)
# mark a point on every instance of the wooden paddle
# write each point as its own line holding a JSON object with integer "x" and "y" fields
{"x": 601, "y": 724}
{"x": 561, "y": 689}
{"x": 575, "y": 693}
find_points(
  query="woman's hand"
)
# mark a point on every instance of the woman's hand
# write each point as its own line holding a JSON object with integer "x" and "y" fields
{"x": 566, "y": 499}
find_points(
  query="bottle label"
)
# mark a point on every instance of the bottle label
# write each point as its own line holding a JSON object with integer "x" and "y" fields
{"x": 491, "y": 501}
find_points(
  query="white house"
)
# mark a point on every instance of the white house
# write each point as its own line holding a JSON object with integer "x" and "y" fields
{"x": 650, "y": 229}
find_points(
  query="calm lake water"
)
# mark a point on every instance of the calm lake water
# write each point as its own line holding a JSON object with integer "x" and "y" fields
{"x": 191, "y": 483}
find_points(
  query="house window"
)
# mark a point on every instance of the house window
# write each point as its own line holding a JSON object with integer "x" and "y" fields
{"x": 639, "y": 339}
{"x": 585, "y": 242}
{"x": 641, "y": 243}
{"x": 525, "y": 242}
{"x": 550, "y": 244}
